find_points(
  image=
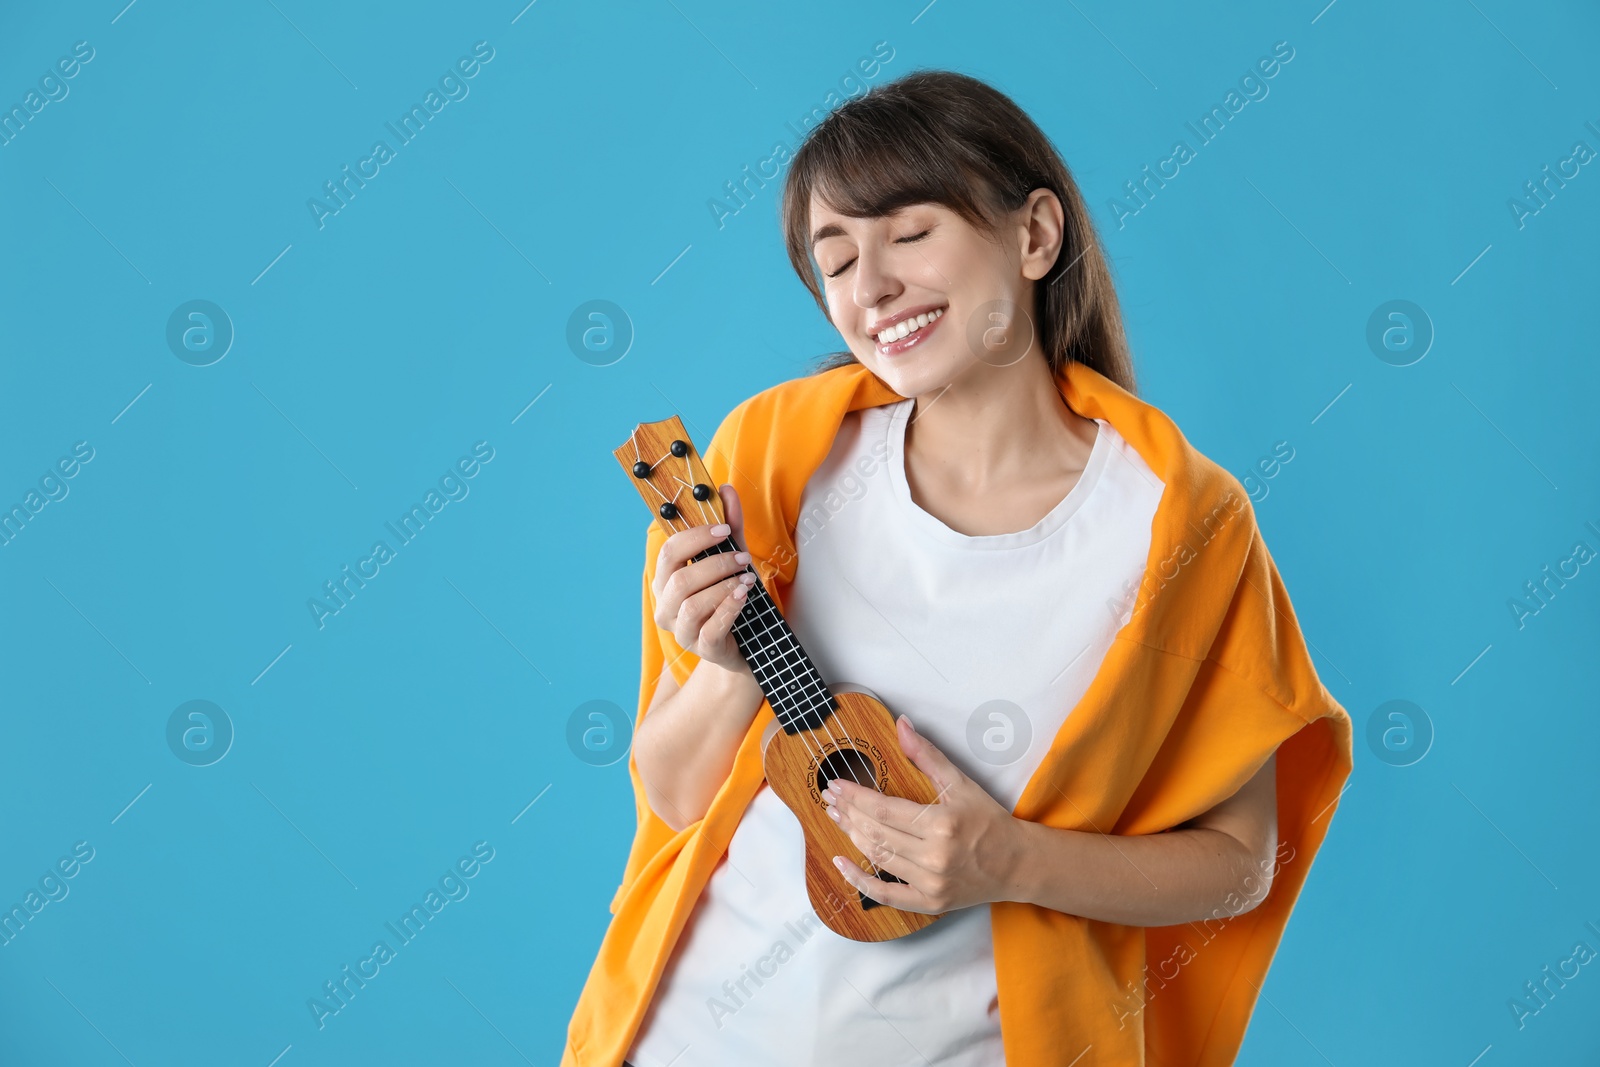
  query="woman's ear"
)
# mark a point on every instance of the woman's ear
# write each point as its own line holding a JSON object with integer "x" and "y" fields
{"x": 1043, "y": 225}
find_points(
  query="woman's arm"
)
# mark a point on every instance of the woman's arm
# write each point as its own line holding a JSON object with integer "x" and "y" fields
{"x": 1217, "y": 864}
{"x": 967, "y": 849}
{"x": 687, "y": 738}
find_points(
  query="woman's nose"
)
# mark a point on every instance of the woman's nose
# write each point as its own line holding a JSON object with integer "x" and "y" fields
{"x": 873, "y": 283}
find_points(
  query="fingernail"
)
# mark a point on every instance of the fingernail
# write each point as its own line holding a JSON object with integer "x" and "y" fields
{"x": 741, "y": 557}
{"x": 747, "y": 578}
{"x": 833, "y": 813}
{"x": 838, "y": 861}
{"x": 739, "y": 590}
{"x": 721, "y": 529}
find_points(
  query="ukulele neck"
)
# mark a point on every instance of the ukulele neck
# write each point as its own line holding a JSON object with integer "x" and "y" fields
{"x": 790, "y": 681}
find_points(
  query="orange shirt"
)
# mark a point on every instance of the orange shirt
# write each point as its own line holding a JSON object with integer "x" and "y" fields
{"x": 1208, "y": 678}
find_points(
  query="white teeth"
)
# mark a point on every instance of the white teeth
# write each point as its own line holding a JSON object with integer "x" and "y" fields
{"x": 905, "y": 326}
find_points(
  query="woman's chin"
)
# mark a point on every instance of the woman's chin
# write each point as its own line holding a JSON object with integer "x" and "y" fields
{"x": 911, "y": 374}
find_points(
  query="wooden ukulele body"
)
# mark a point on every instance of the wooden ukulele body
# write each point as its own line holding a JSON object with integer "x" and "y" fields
{"x": 857, "y": 743}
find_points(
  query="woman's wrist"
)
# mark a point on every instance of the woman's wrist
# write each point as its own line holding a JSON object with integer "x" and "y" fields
{"x": 728, "y": 688}
{"x": 1066, "y": 870}
{"x": 1029, "y": 847}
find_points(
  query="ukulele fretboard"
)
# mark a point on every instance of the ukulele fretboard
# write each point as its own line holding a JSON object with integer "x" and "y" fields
{"x": 789, "y": 680}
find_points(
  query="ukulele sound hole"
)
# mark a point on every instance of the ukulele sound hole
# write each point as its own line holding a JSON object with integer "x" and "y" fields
{"x": 852, "y": 766}
{"x": 848, "y": 764}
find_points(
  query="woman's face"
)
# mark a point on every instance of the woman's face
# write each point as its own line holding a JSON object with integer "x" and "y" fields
{"x": 927, "y": 264}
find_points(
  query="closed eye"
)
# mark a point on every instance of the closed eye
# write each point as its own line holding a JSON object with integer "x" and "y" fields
{"x": 898, "y": 241}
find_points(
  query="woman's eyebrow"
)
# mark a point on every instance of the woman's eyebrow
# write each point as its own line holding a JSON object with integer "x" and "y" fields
{"x": 832, "y": 229}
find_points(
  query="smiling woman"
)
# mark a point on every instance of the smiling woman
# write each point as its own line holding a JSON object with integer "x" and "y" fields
{"x": 966, "y": 150}
{"x": 1104, "y": 780}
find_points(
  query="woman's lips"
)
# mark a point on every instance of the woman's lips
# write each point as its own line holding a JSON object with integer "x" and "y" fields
{"x": 911, "y": 340}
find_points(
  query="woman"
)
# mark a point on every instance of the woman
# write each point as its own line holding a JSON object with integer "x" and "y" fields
{"x": 949, "y": 531}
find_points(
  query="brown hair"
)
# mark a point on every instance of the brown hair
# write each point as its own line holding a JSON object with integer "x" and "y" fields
{"x": 935, "y": 136}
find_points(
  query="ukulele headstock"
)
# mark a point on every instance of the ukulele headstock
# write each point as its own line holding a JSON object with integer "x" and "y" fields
{"x": 664, "y": 467}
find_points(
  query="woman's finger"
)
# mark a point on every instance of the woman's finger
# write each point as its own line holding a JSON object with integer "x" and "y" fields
{"x": 720, "y": 625}
{"x": 699, "y": 608}
{"x": 734, "y": 512}
{"x": 678, "y": 549}
{"x": 701, "y": 575}
{"x": 901, "y": 814}
{"x": 900, "y": 895}
{"x": 684, "y": 583}
{"x": 875, "y": 839}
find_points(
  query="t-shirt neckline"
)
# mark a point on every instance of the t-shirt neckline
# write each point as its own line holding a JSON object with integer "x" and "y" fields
{"x": 932, "y": 526}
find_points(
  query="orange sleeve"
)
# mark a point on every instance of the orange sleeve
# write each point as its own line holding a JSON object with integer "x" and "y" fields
{"x": 1203, "y": 977}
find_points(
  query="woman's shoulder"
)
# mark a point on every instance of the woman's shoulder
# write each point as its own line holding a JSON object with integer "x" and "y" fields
{"x": 811, "y": 401}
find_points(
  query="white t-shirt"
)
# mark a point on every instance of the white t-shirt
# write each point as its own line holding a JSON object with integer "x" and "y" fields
{"x": 986, "y": 643}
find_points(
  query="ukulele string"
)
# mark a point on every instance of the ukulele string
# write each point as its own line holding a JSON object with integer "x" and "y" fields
{"x": 823, "y": 719}
{"x": 743, "y": 627}
{"x": 803, "y": 697}
{"x": 753, "y": 638}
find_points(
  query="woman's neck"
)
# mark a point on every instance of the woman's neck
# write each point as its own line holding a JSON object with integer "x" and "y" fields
{"x": 995, "y": 427}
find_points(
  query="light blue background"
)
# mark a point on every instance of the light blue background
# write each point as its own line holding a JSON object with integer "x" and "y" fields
{"x": 428, "y": 314}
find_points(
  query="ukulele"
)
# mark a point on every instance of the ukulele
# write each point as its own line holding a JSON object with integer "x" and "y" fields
{"x": 818, "y": 732}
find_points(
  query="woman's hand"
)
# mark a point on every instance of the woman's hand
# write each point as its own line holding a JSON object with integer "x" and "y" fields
{"x": 699, "y": 602}
{"x": 966, "y": 849}
{"x": 960, "y": 851}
